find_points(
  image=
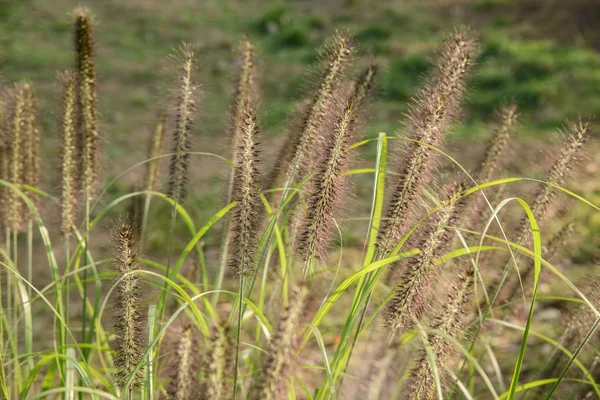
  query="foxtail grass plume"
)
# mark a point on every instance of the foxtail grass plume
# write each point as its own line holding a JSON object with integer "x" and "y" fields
{"x": 506, "y": 121}
{"x": 577, "y": 133}
{"x": 87, "y": 119}
{"x": 270, "y": 383}
{"x": 129, "y": 317}
{"x": 244, "y": 96}
{"x": 156, "y": 145}
{"x": 31, "y": 139}
{"x": 4, "y": 157}
{"x": 68, "y": 150}
{"x": 335, "y": 56}
{"x": 428, "y": 120}
{"x": 244, "y": 220}
{"x": 329, "y": 185}
{"x": 218, "y": 366}
{"x": 183, "y": 384}
{"x": 184, "y": 125}
{"x": 448, "y": 321}
{"x": 16, "y": 162}
{"x": 410, "y": 298}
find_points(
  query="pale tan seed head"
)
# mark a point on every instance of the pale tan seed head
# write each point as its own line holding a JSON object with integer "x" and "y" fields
{"x": 156, "y": 147}
{"x": 68, "y": 154}
{"x": 184, "y": 126}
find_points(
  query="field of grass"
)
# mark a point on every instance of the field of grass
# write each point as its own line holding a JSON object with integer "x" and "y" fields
{"x": 550, "y": 78}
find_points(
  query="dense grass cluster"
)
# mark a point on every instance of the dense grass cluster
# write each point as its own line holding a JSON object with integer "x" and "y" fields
{"x": 440, "y": 304}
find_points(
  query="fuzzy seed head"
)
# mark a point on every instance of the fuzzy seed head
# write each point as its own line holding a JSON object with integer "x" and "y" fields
{"x": 275, "y": 366}
{"x": 129, "y": 319}
{"x": 16, "y": 159}
{"x": 184, "y": 125}
{"x": 68, "y": 149}
{"x": 184, "y": 371}
{"x": 156, "y": 145}
{"x": 577, "y": 133}
{"x": 244, "y": 221}
{"x": 410, "y": 299}
{"x": 218, "y": 366}
{"x": 330, "y": 184}
{"x": 335, "y": 56}
{"x": 430, "y": 115}
{"x": 88, "y": 139}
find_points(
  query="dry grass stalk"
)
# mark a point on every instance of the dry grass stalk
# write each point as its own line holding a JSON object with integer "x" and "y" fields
{"x": 431, "y": 113}
{"x": 329, "y": 185}
{"x": 68, "y": 150}
{"x": 129, "y": 317}
{"x": 410, "y": 298}
{"x": 87, "y": 118}
{"x": 184, "y": 124}
{"x": 244, "y": 220}
{"x": 184, "y": 371}
{"x": 270, "y": 382}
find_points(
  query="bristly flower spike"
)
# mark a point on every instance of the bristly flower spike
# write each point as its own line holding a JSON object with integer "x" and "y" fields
{"x": 88, "y": 140}
{"x": 68, "y": 150}
{"x": 431, "y": 113}
{"x": 184, "y": 372}
{"x": 129, "y": 317}
{"x": 244, "y": 220}
{"x": 329, "y": 185}
{"x": 184, "y": 124}
{"x": 156, "y": 145}
{"x": 16, "y": 162}
{"x": 411, "y": 293}
{"x": 335, "y": 55}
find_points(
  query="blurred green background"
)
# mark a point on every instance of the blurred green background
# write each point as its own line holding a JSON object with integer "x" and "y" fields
{"x": 541, "y": 54}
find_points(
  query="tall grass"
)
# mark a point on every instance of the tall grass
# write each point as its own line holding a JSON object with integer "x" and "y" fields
{"x": 296, "y": 310}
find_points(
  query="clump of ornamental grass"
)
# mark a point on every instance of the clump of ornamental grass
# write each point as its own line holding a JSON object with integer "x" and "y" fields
{"x": 270, "y": 382}
{"x": 218, "y": 366}
{"x": 307, "y": 137}
{"x": 183, "y": 383}
{"x": 408, "y": 304}
{"x": 431, "y": 113}
{"x": 129, "y": 317}
{"x": 244, "y": 221}
{"x": 329, "y": 185}
{"x": 68, "y": 154}
{"x": 87, "y": 114}
{"x": 16, "y": 154}
{"x": 184, "y": 125}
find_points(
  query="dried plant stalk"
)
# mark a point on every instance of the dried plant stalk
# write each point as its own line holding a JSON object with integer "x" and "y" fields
{"x": 430, "y": 115}
{"x": 129, "y": 317}
{"x": 184, "y": 123}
